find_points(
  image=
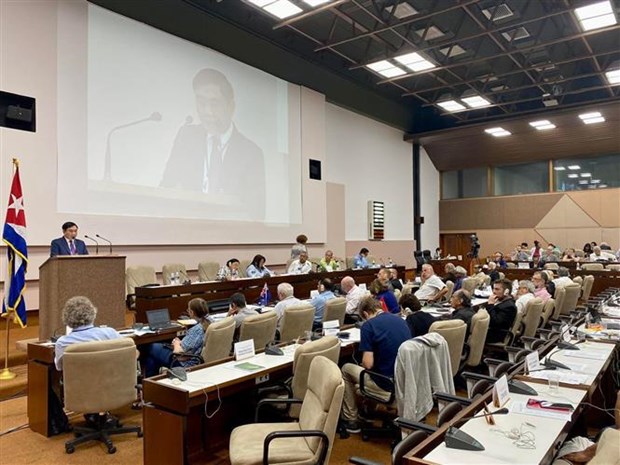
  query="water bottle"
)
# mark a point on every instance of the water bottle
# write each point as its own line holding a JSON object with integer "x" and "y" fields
{"x": 390, "y": 262}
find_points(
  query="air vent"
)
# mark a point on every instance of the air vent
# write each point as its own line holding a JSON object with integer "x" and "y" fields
{"x": 516, "y": 34}
{"x": 454, "y": 51}
{"x": 432, "y": 34}
{"x": 376, "y": 220}
{"x": 498, "y": 13}
{"x": 403, "y": 10}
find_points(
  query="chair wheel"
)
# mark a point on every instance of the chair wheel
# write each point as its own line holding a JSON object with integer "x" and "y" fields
{"x": 111, "y": 450}
{"x": 69, "y": 449}
{"x": 140, "y": 434}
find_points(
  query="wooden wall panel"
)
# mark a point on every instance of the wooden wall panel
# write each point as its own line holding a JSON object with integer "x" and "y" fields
{"x": 566, "y": 213}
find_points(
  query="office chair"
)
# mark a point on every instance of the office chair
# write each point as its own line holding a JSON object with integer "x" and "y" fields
{"x": 98, "y": 377}
{"x": 207, "y": 271}
{"x": 296, "y": 320}
{"x": 136, "y": 276}
{"x": 261, "y": 328}
{"x": 335, "y": 310}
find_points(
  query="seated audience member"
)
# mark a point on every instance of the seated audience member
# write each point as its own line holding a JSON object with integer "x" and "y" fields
{"x": 257, "y": 268}
{"x": 587, "y": 249}
{"x": 449, "y": 272}
{"x": 432, "y": 288}
{"x": 328, "y": 263}
{"x": 230, "y": 271}
{"x": 394, "y": 280}
{"x": 525, "y": 293}
{"x": 326, "y": 292}
{"x": 502, "y": 311}
{"x": 438, "y": 253}
{"x": 238, "y": 309}
{"x": 387, "y": 298}
{"x": 461, "y": 303}
{"x": 79, "y": 314}
{"x": 498, "y": 258}
{"x": 354, "y": 294}
{"x": 569, "y": 255}
{"x": 563, "y": 278}
{"x": 418, "y": 321}
{"x": 160, "y": 355}
{"x": 360, "y": 260}
{"x": 286, "y": 299}
{"x": 380, "y": 338}
{"x": 299, "y": 247}
{"x": 461, "y": 274}
{"x": 479, "y": 274}
{"x": 383, "y": 275}
{"x": 540, "y": 284}
{"x": 301, "y": 265}
{"x": 521, "y": 253}
{"x": 548, "y": 256}
{"x": 605, "y": 246}
{"x": 536, "y": 252}
{"x": 493, "y": 273}
{"x": 598, "y": 255}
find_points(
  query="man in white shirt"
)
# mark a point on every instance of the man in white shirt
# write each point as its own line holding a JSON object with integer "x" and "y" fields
{"x": 600, "y": 255}
{"x": 525, "y": 293}
{"x": 301, "y": 265}
{"x": 286, "y": 298}
{"x": 563, "y": 278}
{"x": 354, "y": 294}
{"x": 432, "y": 288}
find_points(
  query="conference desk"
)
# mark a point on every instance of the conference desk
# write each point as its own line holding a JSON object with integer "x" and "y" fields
{"x": 44, "y": 379}
{"x": 176, "y": 297}
{"x": 187, "y": 422}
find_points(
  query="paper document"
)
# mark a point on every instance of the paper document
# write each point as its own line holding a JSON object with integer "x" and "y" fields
{"x": 566, "y": 377}
{"x": 591, "y": 355}
{"x": 248, "y": 366}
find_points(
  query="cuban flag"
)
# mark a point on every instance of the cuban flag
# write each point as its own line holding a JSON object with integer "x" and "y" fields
{"x": 265, "y": 296}
{"x": 14, "y": 236}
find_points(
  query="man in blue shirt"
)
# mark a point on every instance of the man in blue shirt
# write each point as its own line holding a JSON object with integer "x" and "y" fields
{"x": 381, "y": 336}
{"x": 360, "y": 261}
{"x": 326, "y": 292}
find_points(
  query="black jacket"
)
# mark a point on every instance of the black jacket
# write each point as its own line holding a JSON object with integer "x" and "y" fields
{"x": 502, "y": 317}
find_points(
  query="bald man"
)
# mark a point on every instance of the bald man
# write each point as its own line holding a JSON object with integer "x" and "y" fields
{"x": 432, "y": 288}
{"x": 354, "y": 294}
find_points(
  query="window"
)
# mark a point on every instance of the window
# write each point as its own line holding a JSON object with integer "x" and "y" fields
{"x": 464, "y": 183}
{"x": 527, "y": 178}
{"x": 587, "y": 173}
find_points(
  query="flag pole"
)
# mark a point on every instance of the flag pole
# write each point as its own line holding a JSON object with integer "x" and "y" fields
{"x": 6, "y": 374}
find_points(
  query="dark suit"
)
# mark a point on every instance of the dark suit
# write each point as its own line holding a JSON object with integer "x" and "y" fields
{"x": 61, "y": 247}
{"x": 502, "y": 315}
{"x": 242, "y": 173}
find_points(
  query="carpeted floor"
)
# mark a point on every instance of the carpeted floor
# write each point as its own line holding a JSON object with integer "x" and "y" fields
{"x": 26, "y": 447}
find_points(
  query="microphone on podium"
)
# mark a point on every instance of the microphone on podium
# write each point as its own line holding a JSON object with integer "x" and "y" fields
{"x": 457, "y": 439}
{"x": 105, "y": 240}
{"x": 107, "y": 174}
{"x": 96, "y": 244}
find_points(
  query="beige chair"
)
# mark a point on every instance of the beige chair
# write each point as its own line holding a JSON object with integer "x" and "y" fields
{"x": 335, "y": 310}
{"x": 502, "y": 275}
{"x": 475, "y": 343}
{"x": 453, "y": 331}
{"x": 532, "y": 319}
{"x": 511, "y": 265}
{"x": 560, "y": 295}
{"x": 318, "y": 417}
{"x": 350, "y": 262}
{"x": 450, "y": 286}
{"x": 578, "y": 280}
{"x": 218, "y": 340}
{"x": 170, "y": 268}
{"x": 612, "y": 267}
{"x": 593, "y": 266}
{"x": 469, "y": 285}
{"x": 579, "y": 253}
{"x": 586, "y": 289}
{"x": 207, "y": 271}
{"x": 98, "y": 377}
{"x": 243, "y": 265}
{"x": 296, "y": 320}
{"x": 573, "y": 291}
{"x": 136, "y": 276}
{"x": 407, "y": 289}
{"x": 551, "y": 266}
{"x": 261, "y": 328}
{"x": 548, "y": 309}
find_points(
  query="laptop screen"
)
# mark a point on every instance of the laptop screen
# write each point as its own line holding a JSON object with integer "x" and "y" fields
{"x": 158, "y": 317}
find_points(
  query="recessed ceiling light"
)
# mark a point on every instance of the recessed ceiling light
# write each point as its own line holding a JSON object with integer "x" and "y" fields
{"x": 586, "y": 175}
{"x": 595, "y": 181}
{"x": 613, "y": 76}
{"x": 542, "y": 124}
{"x": 596, "y": 15}
{"x": 584, "y": 181}
{"x": 475, "y": 101}
{"x": 574, "y": 167}
{"x": 573, "y": 175}
{"x": 261, "y": 3}
{"x": 594, "y": 114}
{"x": 497, "y": 132}
{"x": 602, "y": 186}
{"x": 433, "y": 33}
{"x": 380, "y": 65}
{"x": 558, "y": 168}
{"x": 451, "y": 105}
{"x": 282, "y": 9}
{"x": 453, "y": 51}
{"x": 314, "y": 3}
{"x": 414, "y": 61}
{"x": 594, "y": 120}
{"x": 402, "y": 10}
{"x": 386, "y": 69}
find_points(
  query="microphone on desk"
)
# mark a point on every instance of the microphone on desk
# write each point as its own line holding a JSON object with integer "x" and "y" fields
{"x": 457, "y": 439}
{"x": 105, "y": 240}
{"x": 96, "y": 244}
{"x": 549, "y": 363}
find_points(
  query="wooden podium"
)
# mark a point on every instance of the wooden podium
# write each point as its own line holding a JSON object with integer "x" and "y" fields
{"x": 101, "y": 278}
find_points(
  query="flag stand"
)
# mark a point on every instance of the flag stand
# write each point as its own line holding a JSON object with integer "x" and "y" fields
{"x": 6, "y": 373}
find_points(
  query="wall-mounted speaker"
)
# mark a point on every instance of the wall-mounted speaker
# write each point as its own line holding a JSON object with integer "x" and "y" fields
{"x": 17, "y": 111}
{"x": 315, "y": 169}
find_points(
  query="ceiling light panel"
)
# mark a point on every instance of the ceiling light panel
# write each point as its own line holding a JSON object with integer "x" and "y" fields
{"x": 542, "y": 125}
{"x": 613, "y": 77}
{"x": 403, "y": 10}
{"x": 596, "y": 15}
{"x": 574, "y": 167}
{"x": 498, "y": 13}
{"x": 282, "y": 9}
{"x": 475, "y": 101}
{"x": 433, "y": 33}
{"x": 451, "y": 105}
{"x": 573, "y": 175}
{"x": 414, "y": 62}
{"x": 261, "y": 3}
{"x": 558, "y": 168}
{"x": 497, "y": 132}
{"x": 516, "y": 34}
{"x": 314, "y": 3}
{"x": 453, "y": 51}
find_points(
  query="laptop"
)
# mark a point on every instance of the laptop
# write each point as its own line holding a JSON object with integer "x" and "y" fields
{"x": 159, "y": 319}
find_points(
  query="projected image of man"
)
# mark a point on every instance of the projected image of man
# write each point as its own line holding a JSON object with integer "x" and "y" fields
{"x": 213, "y": 156}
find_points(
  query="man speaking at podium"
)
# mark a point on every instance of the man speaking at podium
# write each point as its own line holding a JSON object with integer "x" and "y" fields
{"x": 68, "y": 244}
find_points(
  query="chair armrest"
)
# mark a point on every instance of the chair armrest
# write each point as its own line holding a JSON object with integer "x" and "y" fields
{"x": 286, "y": 385}
{"x": 362, "y": 461}
{"x": 366, "y": 373}
{"x": 187, "y": 356}
{"x": 544, "y": 333}
{"x": 414, "y": 425}
{"x": 531, "y": 342}
{"x": 477, "y": 376}
{"x": 263, "y": 402}
{"x": 445, "y": 397}
{"x": 512, "y": 349}
{"x": 296, "y": 434}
